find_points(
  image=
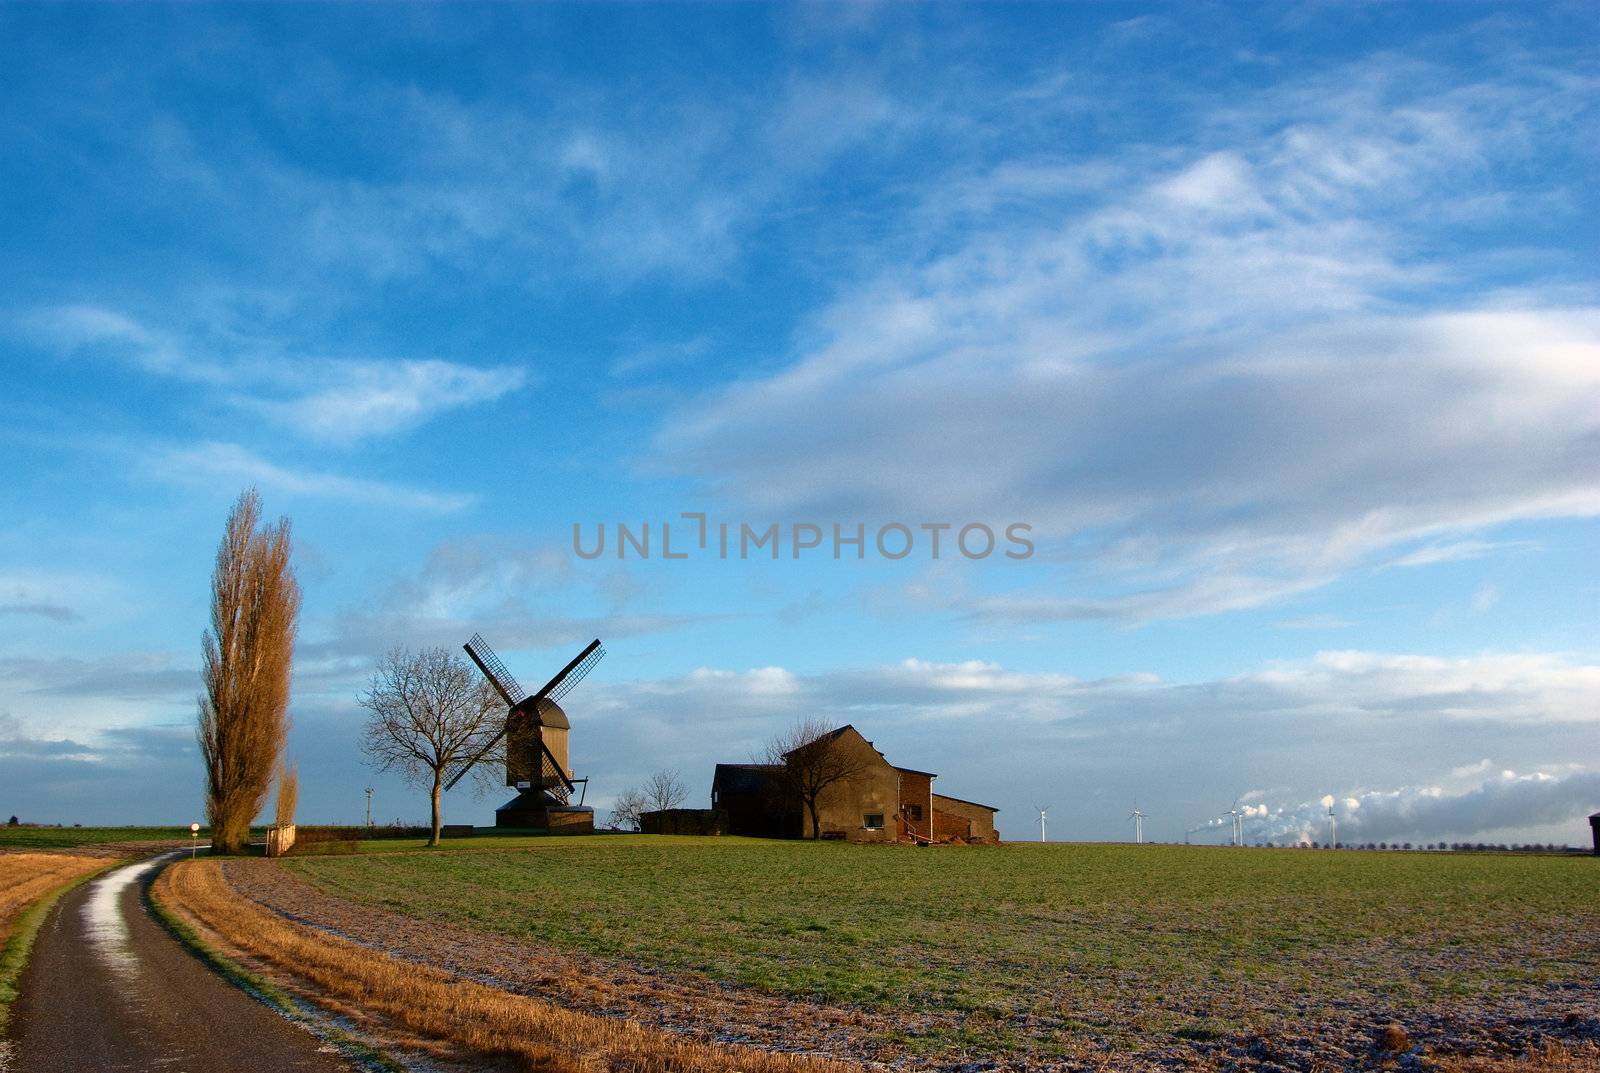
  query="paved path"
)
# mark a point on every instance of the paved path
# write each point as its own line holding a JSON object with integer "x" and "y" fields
{"x": 108, "y": 990}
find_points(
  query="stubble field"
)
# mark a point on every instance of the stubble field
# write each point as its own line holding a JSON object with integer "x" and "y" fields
{"x": 1026, "y": 955}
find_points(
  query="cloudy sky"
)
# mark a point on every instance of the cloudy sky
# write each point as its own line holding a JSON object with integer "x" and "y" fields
{"x": 1276, "y": 330}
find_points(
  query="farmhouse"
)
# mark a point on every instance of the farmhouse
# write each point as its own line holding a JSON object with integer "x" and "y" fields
{"x": 859, "y": 796}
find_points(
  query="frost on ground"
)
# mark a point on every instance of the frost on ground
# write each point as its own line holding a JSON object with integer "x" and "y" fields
{"x": 1125, "y": 983}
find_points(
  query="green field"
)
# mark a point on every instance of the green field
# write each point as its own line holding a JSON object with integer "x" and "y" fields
{"x": 42, "y": 838}
{"x": 1028, "y": 945}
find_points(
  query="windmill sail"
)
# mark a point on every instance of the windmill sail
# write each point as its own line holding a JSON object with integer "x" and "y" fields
{"x": 526, "y": 750}
{"x": 572, "y": 673}
{"x": 494, "y": 670}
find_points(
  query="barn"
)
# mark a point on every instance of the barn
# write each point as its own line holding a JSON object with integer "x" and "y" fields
{"x": 872, "y": 800}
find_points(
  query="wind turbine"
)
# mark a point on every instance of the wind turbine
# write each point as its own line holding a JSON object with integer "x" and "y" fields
{"x": 1138, "y": 824}
{"x": 1333, "y": 830}
{"x": 1042, "y": 810}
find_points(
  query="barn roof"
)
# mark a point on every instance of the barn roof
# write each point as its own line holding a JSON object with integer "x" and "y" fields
{"x": 964, "y": 801}
{"x": 829, "y": 736}
{"x": 742, "y": 778}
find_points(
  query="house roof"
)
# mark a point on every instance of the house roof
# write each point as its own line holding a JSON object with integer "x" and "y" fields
{"x": 829, "y": 736}
{"x": 964, "y": 801}
{"x": 742, "y": 777}
{"x": 914, "y": 771}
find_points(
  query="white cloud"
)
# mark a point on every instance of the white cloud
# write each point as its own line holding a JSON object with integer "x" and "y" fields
{"x": 1218, "y": 361}
{"x": 1456, "y": 551}
{"x": 346, "y": 401}
{"x": 1317, "y": 622}
{"x": 1509, "y": 802}
{"x": 1485, "y": 597}
{"x": 210, "y": 461}
{"x": 327, "y": 400}
{"x": 1009, "y": 736}
{"x": 1497, "y": 687}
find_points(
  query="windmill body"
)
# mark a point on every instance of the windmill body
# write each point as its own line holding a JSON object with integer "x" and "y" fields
{"x": 537, "y": 741}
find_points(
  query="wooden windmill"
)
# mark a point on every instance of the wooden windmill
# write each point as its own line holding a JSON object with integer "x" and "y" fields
{"x": 536, "y": 736}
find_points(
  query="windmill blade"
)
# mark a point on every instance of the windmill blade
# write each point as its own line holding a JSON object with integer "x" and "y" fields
{"x": 494, "y": 670}
{"x": 572, "y": 673}
{"x": 451, "y": 785}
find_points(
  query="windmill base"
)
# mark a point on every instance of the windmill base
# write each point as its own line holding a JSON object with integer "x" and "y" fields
{"x": 533, "y": 809}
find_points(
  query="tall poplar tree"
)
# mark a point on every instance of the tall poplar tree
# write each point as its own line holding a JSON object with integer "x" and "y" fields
{"x": 248, "y": 656}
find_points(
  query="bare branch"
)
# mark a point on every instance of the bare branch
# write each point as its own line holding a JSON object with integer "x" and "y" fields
{"x": 808, "y": 760}
{"x": 428, "y": 713}
{"x": 664, "y": 790}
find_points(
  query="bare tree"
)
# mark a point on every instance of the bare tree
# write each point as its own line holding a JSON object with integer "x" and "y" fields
{"x": 288, "y": 794}
{"x": 248, "y": 657}
{"x": 429, "y": 711}
{"x": 626, "y": 810}
{"x": 664, "y": 790}
{"x": 808, "y": 760}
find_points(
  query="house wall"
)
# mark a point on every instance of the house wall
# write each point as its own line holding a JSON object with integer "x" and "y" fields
{"x": 841, "y": 807}
{"x": 915, "y": 791}
{"x": 954, "y": 818}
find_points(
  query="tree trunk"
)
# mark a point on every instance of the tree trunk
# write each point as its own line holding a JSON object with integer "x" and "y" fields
{"x": 816, "y": 823}
{"x": 438, "y": 780}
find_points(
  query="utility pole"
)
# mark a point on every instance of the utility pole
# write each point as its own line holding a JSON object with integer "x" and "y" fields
{"x": 369, "y": 808}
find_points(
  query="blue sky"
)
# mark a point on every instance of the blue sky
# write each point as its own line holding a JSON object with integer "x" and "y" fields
{"x": 1277, "y": 325}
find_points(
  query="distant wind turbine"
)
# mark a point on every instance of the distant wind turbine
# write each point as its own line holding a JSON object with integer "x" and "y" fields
{"x": 1138, "y": 824}
{"x": 1042, "y": 810}
{"x": 1238, "y": 823}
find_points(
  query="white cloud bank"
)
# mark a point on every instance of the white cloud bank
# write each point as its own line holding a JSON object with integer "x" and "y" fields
{"x": 1210, "y": 367}
{"x": 1010, "y": 737}
{"x": 1505, "y": 802}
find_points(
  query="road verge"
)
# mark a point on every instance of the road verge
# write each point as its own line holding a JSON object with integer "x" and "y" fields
{"x": 455, "y": 1015}
{"x": 262, "y": 989}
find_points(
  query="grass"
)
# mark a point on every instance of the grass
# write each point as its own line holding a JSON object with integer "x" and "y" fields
{"x": 26, "y": 838}
{"x": 437, "y": 1006}
{"x": 1028, "y": 946}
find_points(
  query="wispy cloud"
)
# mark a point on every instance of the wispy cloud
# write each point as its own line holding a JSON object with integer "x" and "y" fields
{"x": 1457, "y": 551}
{"x": 240, "y": 466}
{"x": 360, "y": 400}
{"x": 138, "y": 676}
{"x": 1221, "y": 361}
{"x": 328, "y": 400}
{"x": 39, "y": 609}
{"x": 1317, "y": 622}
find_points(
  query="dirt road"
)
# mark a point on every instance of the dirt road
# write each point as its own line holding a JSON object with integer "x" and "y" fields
{"x": 109, "y": 990}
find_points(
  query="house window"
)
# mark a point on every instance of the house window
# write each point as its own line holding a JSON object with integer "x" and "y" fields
{"x": 873, "y": 821}
{"x": 914, "y": 811}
